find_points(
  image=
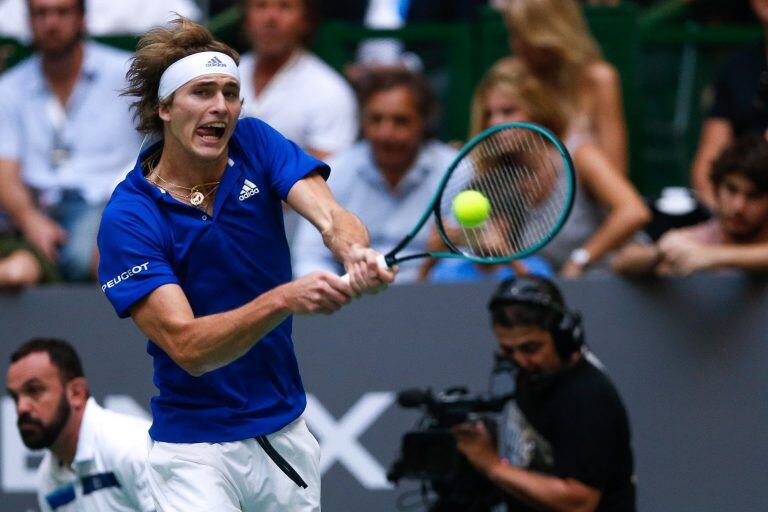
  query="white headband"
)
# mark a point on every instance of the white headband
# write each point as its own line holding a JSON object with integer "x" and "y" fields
{"x": 194, "y": 66}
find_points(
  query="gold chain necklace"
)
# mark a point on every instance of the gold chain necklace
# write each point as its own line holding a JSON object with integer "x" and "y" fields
{"x": 195, "y": 195}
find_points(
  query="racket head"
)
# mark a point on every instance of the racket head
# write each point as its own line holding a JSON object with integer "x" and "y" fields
{"x": 528, "y": 178}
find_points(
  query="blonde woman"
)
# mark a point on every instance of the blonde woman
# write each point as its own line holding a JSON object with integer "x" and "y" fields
{"x": 607, "y": 209}
{"x": 552, "y": 39}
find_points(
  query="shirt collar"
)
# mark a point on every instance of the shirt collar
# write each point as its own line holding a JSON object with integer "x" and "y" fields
{"x": 136, "y": 176}
{"x": 87, "y": 436}
{"x": 90, "y": 69}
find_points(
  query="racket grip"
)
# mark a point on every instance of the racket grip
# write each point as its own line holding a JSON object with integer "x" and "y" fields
{"x": 380, "y": 259}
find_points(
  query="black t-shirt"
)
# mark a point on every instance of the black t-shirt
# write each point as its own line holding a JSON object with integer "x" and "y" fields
{"x": 573, "y": 425}
{"x": 738, "y": 95}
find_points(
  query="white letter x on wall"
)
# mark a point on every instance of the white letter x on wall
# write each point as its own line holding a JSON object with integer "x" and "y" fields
{"x": 338, "y": 440}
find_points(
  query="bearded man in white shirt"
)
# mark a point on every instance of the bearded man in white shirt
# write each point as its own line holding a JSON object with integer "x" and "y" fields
{"x": 95, "y": 458}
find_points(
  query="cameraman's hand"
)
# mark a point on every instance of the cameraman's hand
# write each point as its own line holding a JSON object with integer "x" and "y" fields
{"x": 474, "y": 441}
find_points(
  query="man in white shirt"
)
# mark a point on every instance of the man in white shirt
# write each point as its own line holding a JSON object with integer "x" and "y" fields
{"x": 290, "y": 88}
{"x": 67, "y": 137}
{"x": 95, "y": 458}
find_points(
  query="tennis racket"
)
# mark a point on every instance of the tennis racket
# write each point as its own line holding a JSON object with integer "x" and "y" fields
{"x": 528, "y": 179}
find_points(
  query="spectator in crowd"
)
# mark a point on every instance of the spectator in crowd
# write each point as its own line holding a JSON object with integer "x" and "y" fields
{"x": 388, "y": 178}
{"x": 552, "y": 39}
{"x": 103, "y": 17}
{"x": 289, "y": 87}
{"x": 95, "y": 458}
{"x": 737, "y": 237}
{"x": 740, "y": 107}
{"x": 67, "y": 137}
{"x": 564, "y": 441}
{"x": 607, "y": 209}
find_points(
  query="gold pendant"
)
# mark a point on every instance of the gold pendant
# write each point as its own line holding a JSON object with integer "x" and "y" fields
{"x": 196, "y": 198}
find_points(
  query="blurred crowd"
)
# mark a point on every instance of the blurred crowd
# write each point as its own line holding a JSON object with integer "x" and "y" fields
{"x": 68, "y": 135}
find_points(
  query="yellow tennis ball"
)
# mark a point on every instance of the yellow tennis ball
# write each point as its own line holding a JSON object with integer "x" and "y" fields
{"x": 471, "y": 208}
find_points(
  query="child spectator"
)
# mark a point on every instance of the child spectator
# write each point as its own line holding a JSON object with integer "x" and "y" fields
{"x": 737, "y": 237}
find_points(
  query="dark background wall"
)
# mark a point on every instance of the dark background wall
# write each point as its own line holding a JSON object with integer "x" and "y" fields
{"x": 689, "y": 357}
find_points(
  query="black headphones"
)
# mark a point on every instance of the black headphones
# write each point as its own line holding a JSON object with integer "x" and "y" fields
{"x": 568, "y": 333}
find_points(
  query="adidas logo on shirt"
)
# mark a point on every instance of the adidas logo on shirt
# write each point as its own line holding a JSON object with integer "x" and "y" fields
{"x": 215, "y": 63}
{"x": 249, "y": 189}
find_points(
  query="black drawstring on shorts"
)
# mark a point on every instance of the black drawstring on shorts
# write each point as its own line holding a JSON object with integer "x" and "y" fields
{"x": 278, "y": 459}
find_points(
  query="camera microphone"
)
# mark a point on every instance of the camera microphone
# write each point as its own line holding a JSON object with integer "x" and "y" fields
{"x": 414, "y": 397}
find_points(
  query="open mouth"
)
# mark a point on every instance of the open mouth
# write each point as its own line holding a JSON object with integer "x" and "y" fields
{"x": 212, "y": 132}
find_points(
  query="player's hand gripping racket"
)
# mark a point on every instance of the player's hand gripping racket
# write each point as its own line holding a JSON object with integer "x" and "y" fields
{"x": 506, "y": 195}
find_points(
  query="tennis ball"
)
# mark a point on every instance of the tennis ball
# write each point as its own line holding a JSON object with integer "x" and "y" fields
{"x": 471, "y": 208}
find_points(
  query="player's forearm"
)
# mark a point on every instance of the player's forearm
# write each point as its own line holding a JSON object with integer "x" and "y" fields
{"x": 344, "y": 232}
{"x": 206, "y": 343}
{"x": 541, "y": 491}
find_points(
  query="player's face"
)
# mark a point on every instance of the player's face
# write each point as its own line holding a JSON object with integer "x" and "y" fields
{"x": 57, "y": 25}
{"x": 500, "y": 108}
{"x": 395, "y": 128}
{"x": 202, "y": 115}
{"x": 275, "y": 27}
{"x": 760, "y": 8}
{"x": 41, "y": 401}
{"x": 531, "y": 348}
{"x": 742, "y": 207}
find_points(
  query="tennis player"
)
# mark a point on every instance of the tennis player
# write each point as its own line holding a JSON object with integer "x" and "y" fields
{"x": 193, "y": 249}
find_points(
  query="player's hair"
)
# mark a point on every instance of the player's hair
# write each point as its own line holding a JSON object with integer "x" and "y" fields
{"x": 557, "y": 28}
{"x": 748, "y": 156}
{"x": 511, "y": 77}
{"x": 155, "y": 52}
{"x": 517, "y": 313}
{"x": 311, "y": 15}
{"x": 80, "y": 5}
{"x": 62, "y": 354}
{"x": 388, "y": 78}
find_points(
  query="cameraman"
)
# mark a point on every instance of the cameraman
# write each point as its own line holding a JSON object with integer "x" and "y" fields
{"x": 565, "y": 440}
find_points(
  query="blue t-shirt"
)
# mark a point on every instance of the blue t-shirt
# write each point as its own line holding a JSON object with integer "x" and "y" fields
{"x": 148, "y": 239}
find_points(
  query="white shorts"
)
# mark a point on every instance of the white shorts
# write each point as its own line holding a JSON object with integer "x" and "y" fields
{"x": 238, "y": 476}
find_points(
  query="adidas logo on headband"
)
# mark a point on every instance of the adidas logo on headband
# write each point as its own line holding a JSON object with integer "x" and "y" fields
{"x": 215, "y": 63}
{"x": 194, "y": 66}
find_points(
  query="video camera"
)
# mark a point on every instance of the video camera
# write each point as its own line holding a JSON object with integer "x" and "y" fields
{"x": 430, "y": 453}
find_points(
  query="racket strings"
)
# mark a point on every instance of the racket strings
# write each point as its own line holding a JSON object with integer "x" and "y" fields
{"x": 525, "y": 180}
